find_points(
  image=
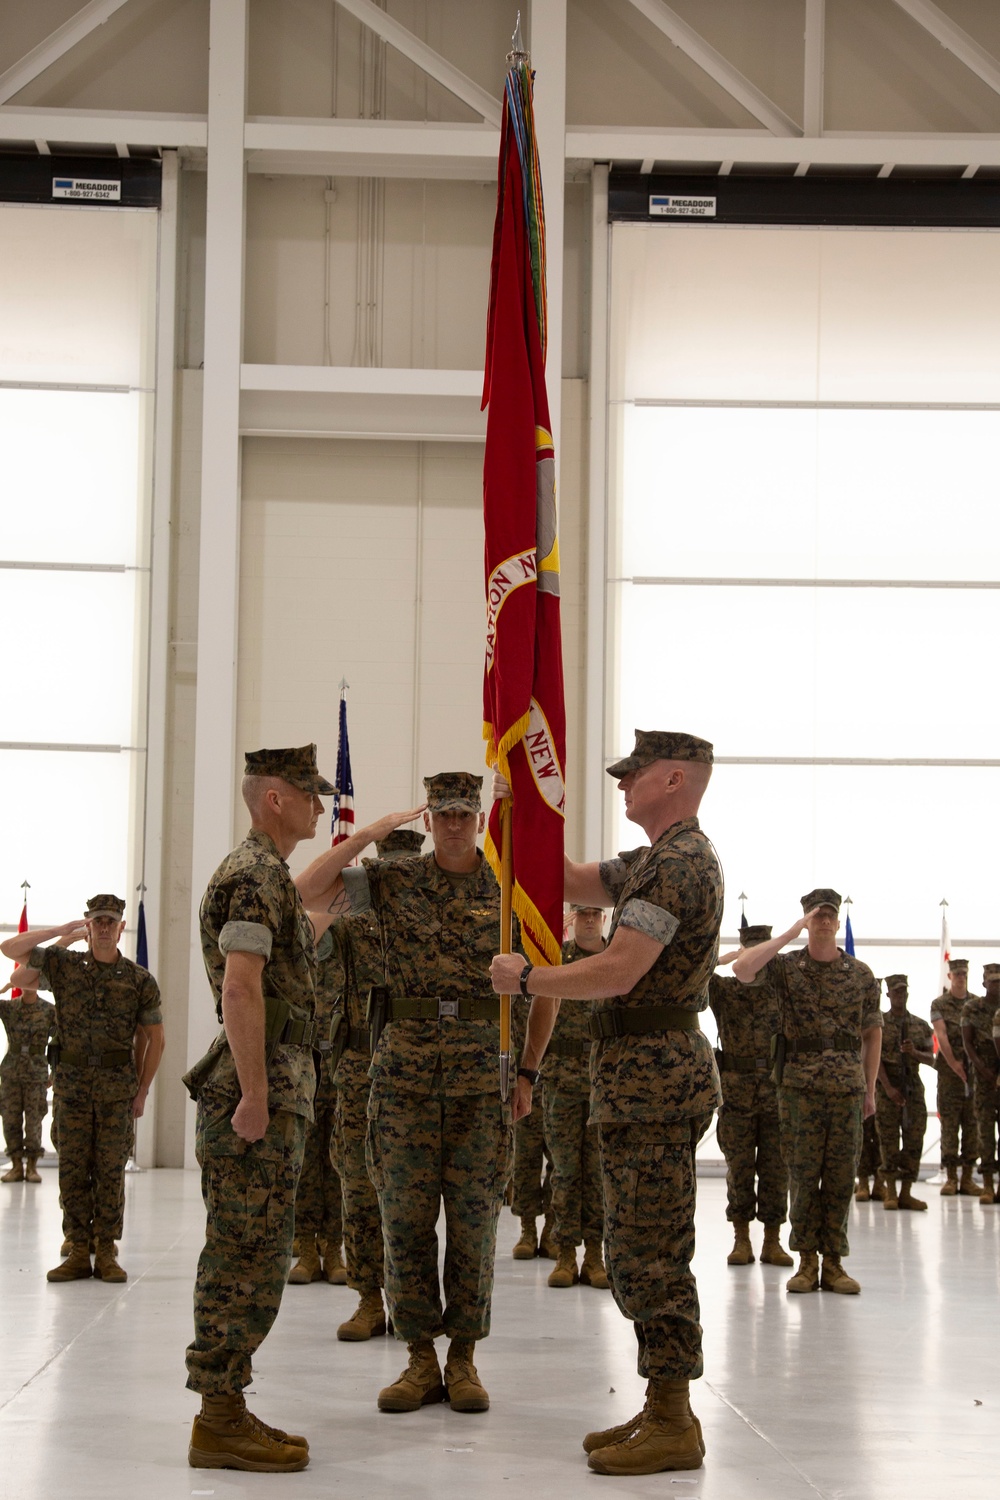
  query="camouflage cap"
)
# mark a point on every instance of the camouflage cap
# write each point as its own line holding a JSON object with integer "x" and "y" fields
{"x": 585, "y": 906}
{"x": 400, "y": 843}
{"x": 454, "y": 789}
{"x": 105, "y": 906}
{"x": 896, "y": 982}
{"x": 751, "y": 936}
{"x": 661, "y": 744}
{"x": 991, "y": 971}
{"x": 297, "y": 767}
{"x": 957, "y": 963}
{"x": 821, "y": 896}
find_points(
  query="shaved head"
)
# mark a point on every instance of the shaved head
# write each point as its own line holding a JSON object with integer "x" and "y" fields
{"x": 255, "y": 790}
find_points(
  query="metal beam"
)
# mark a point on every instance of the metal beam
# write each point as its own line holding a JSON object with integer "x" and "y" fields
{"x": 429, "y": 61}
{"x": 56, "y": 45}
{"x": 815, "y": 49}
{"x": 954, "y": 40}
{"x": 136, "y": 128}
{"x": 372, "y": 148}
{"x": 694, "y": 46}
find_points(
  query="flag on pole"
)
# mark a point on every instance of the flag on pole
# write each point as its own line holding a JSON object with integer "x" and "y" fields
{"x": 524, "y": 717}
{"x": 848, "y": 936}
{"x": 22, "y": 926}
{"x": 945, "y": 946}
{"x": 342, "y": 817}
{"x": 141, "y": 945}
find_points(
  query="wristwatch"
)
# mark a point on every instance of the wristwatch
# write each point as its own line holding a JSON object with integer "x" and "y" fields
{"x": 531, "y": 1074}
{"x": 523, "y": 981}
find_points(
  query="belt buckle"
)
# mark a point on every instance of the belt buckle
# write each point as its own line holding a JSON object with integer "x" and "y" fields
{"x": 761, "y": 1065}
{"x": 324, "y": 1046}
{"x": 26, "y": 1051}
{"x": 447, "y": 1008}
{"x": 94, "y": 1062}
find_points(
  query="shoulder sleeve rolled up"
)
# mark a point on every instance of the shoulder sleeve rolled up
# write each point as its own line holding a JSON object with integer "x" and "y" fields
{"x": 655, "y": 921}
{"x": 246, "y": 937}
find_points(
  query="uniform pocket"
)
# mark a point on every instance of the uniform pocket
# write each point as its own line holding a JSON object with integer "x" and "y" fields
{"x": 373, "y": 1150}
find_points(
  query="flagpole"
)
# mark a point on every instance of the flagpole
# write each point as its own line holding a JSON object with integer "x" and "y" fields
{"x": 506, "y": 907}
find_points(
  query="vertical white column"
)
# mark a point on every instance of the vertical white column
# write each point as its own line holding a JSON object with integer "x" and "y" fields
{"x": 159, "y": 597}
{"x": 599, "y": 673}
{"x": 218, "y": 589}
{"x": 548, "y": 59}
{"x": 815, "y": 46}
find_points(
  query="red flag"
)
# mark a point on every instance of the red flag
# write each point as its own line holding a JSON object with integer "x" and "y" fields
{"x": 342, "y": 815}
{"x": 22, "y": 926}
{"x": 524, "y": 717}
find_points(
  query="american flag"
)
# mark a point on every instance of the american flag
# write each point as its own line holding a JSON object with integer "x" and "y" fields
{"x": 342, "y": 819}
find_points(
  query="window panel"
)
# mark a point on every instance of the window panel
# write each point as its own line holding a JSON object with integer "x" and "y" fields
{"x": 816, "y": 672}
{"x": 759, "y": 493}
{"x": 68, "y": 671}
{"x": 65, "y": 831}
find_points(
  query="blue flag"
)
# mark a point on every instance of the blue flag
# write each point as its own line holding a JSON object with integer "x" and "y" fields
{"x": 848, "y": 936}
{"x": 141, "y": 948}
{"x": 744, "y": 924}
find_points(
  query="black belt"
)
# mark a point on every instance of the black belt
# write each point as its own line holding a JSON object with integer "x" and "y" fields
{"x": 842, "y": 1041}
{"x": 96, "y": 1059}
{"x": 639, "y": 1020}
{"x": 568, "y": 1049}
{"x": 731, "y": 1062}
{"x": 37, "y": 1049}
{"x": 433, "y": 1008}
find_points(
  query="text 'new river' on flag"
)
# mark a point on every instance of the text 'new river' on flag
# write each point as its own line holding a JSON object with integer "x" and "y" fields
{"x": 524, "y": 717}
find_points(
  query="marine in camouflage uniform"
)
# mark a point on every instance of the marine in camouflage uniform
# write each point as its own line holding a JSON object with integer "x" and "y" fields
{"x": 254, "y": 1107}
{"x": 654, "y": 1082}
{"x": 977, "y": 1036}
{"x": 749, "y": 1130}
{"x": 577, "y": 1190}
{"x": 830, "y": 1029}
{"x": 104, "y": 1005}
{"x": 24, "y": 1077}
{"x": 349, "y": 966}
{"x": 532, "y": 1180}
{"x": 437, "y": 1131}
{"x": 955, "y": 1102}
{"x": 907, "y": 1041}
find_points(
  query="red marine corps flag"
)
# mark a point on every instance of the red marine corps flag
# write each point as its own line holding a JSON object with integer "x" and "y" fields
{"x": 523, "y": 710}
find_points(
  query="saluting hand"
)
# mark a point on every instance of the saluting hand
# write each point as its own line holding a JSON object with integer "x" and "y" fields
{"x": 385, "y": 826}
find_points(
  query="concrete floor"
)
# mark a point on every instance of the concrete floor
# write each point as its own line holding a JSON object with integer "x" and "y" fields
{"x": 894, "y": 1393}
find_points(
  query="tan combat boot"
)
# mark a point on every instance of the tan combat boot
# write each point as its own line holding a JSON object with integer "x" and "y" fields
{"x": 771, "y": 1253}
{"x": 988, "y": 1195}
{"x": 862, "y": 1193}
{"x": 611, "y": 1435}
{"x": 16, "y": 1172}
{"x": 879, "y": 1188}
{"x": 76, "y": 1266}
{"x": 334, "y": 1268}
{"x": 949, "y": 1187}
{"x": 742, "y": 1252}
{"x": 547, "y": 1247}
{"x": 227, "y": 1436}
{"x": 907, "y": 1200}
{"x": 891, "y": 1199}
{"x": 465, "y": 1389}
{"x": 806, "y": 1278}
{"x": 527, "y": 1246}
{"x": 666, "y": 1437}
{"x": 967, "y": 1186}
{"x": 106, "y": 1267}
{"x": 367, "y": 1321}
{"x": 565, "y": 1273}
{"x": 836, "y": 1279}
{"x": 31, "y": 1172}
{"x": 307, "y": 1268}
{"x": 593, "y": 1272}
{"x": 420, "y": 1383}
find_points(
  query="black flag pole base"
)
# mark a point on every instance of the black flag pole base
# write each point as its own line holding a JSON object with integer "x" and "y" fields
{"x": 504, "y": 1077}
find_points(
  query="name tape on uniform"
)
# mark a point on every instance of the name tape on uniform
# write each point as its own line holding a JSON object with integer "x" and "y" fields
{"x": 90, "y": 188}
{"x": 670, "y": 206}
